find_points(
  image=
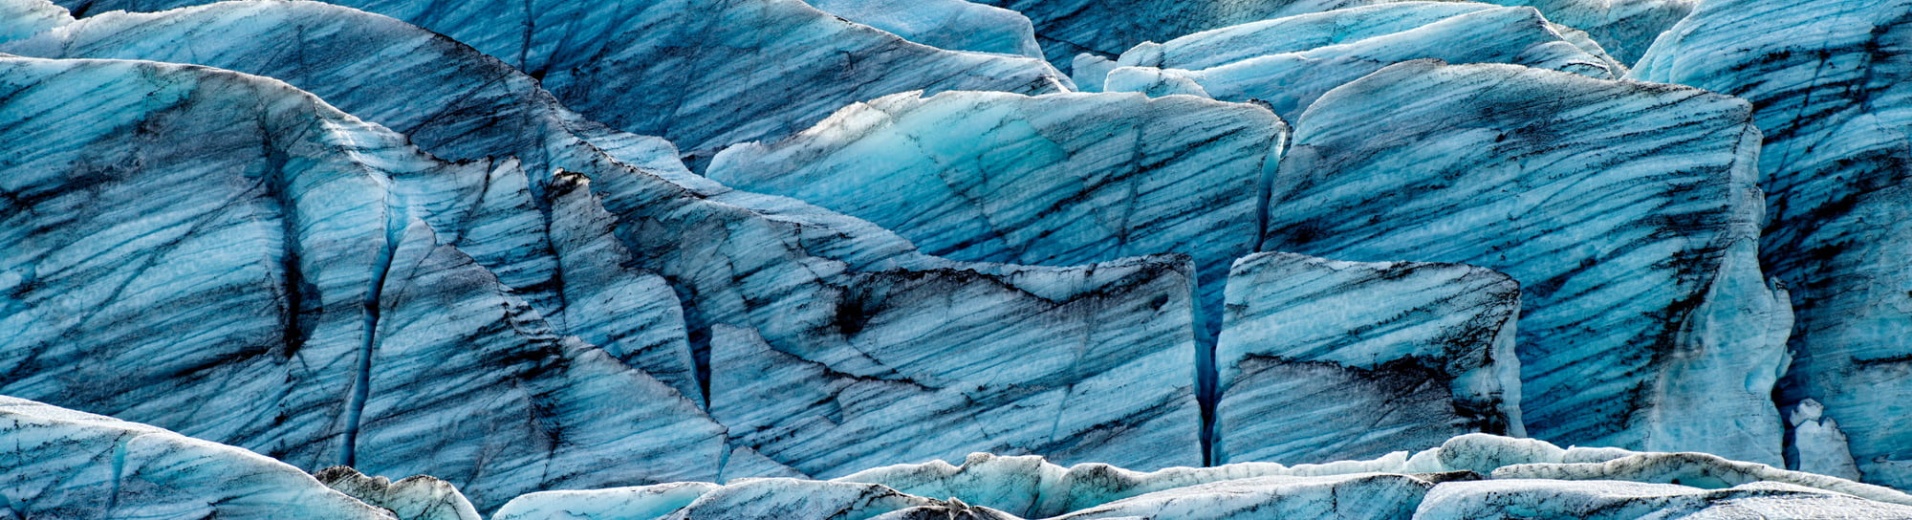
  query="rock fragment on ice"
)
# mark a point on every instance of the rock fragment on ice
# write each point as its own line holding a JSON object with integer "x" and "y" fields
{"x": 417, "y": 497}
{"x": 1660, "y": 334}
{"x": 1370, "y": 357}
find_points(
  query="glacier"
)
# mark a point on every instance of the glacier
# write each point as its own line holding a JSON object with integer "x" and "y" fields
{"x": 1621, "y": 341}
{"x": 1827, "y": 81}
{"x": 1374, "y": 357}
{"x": 882, "y": 259}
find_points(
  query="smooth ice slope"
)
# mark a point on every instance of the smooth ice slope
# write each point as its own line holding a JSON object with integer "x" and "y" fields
{"x": 1833, "y": 89}
{"x": 957, "y": 25}
{"x": 1289, "y": 62}
{"x": 231, "y": 258}
{"x": 1627, "y": 212}
{"x": 61, "y": 463}
{"x": 1325, "y": 360}
{"x": 703, "y": 74}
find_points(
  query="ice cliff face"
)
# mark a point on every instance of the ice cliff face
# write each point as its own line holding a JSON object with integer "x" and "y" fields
{"x": 606, "y": 236}
{"x": 1827, "y": 80}
{"x": 957, "y": 25}
{"x": 1620, "y": 339}
{"x": 1374, "y": 357}
{"x": 806, "y": 241}
{"x": 284, "y": 290}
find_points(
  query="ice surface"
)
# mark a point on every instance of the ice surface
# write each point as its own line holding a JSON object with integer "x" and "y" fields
{"x": 814, "y": 285}
{"x": 1060, "y": 179}
{"x": 552, "y": 251}
{"x": 22, "y": 18}
{"x": 69, "y": 464}
{"x": 703, "y": 74}
{"x": 1629, "y": 500}
{"x": 1289, "y": 62}
{"x": 957, "y": 25}
{"x": 1371, "y": 357}
{"x": 1829, "y": 83}
{"x": 1356, "y": 495}
{"x": 1106, "y": 27}
{"x": 61, "y": 463}
{"x": 1627, "y": 212}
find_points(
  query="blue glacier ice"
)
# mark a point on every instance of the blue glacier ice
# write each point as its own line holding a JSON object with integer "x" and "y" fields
{"x": 61, "y": 463}
{"x": 1048, "y": 180}
{"x": 1289, "y": 62}
{"x": 815, "y": 286}
{"x": 231, "y": 258}
{"x": 1627, "y": 212}
{"x": 1373, "y": 357}
{"x": 555, "y": 254}
{"x": 65, "y": 463}
{"x": 1472, "y": 476}
{"x": 1067, "y": 28}
{"x": 702, "y": 74}
{"x": 957, "y": 25}
{"x": 878, "y": 259}
{"x": 1828, "y": 80}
